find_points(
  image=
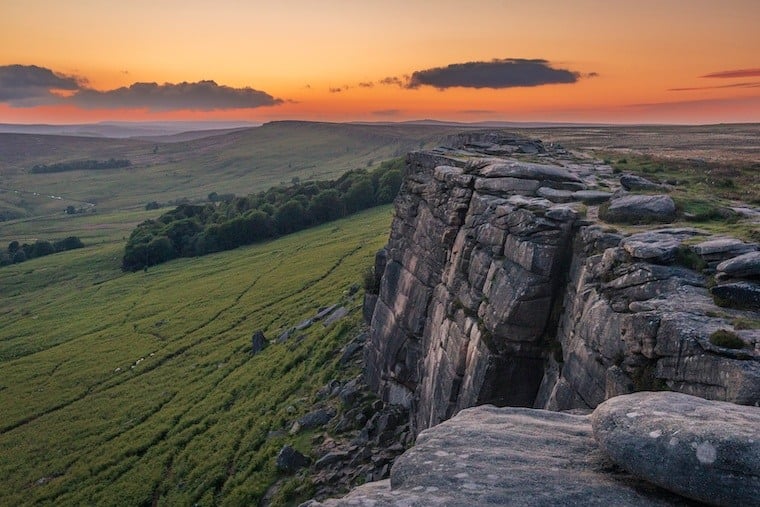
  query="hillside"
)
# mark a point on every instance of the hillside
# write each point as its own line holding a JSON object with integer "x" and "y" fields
{"x": 240, "y": 162}
{"x": 126, "y": 389}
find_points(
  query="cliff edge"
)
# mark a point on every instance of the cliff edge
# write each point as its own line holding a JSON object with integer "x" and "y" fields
{"x": 504, "y": 282}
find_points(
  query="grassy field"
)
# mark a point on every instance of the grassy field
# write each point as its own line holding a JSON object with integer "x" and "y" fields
{"x": 136, "y": 389}
{"x": 239, "y": 162}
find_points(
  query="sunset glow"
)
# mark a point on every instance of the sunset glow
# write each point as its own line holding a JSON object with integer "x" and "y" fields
{"x": 680, "y": 61}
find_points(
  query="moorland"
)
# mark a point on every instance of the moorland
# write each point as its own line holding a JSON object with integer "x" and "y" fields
{"x": 139, "y": 388}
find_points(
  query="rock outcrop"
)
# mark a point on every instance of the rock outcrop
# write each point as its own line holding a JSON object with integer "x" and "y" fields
{"x": 510, "y": 456}
{"x": 500, "y": 285}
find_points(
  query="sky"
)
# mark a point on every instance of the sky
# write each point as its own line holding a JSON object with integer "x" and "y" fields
{"x": 663, "y": 61}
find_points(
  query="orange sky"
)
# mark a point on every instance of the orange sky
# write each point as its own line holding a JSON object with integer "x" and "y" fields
{"x": 297, "y": 51}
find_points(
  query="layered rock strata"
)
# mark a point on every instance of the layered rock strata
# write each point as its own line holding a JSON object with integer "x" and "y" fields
{"x": 499, "y": 285}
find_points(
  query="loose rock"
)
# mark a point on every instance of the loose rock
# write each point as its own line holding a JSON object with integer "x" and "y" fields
{"x": 290, "y": 460}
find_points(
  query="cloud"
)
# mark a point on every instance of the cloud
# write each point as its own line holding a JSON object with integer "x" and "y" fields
{"x": 30, "y": 85}
{"x": 200, "y": 96}
{"x": 755, "y": 84}
{"x": 335, "y": 90}
{"x": 392, "y": 80}
{"x": 735, "y": 73}
{"x": 366, "y": 84}
{"x": 506, "y": 73}
{"x": 387, "y": 112}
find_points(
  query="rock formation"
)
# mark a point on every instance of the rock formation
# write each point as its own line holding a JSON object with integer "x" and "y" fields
{"x": 500, "y": 285}
{"x": 619, "y": 455}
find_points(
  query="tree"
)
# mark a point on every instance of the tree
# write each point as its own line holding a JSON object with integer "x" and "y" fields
{"x": 326, "y": 206}
{"x": 41, "y": 249}
{"x": 290, "y": 217}
{"x": 388, "y": 186}
{"x": 361, "y": 195}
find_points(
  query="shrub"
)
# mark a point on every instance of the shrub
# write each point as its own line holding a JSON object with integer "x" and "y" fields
{"x": 688, "y": 258}
{"x": 370, "y": 281}
{"x": 727, "y": 339}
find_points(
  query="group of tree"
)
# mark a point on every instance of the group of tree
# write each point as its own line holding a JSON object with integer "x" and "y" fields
{"x": 192, "y": 230}
{"x": 81, "y": 165}
{"x": 17, "y": 252}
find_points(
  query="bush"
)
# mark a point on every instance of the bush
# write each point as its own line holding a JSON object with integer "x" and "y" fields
{"x": 370, "y": 281}
{"x": 727, "y": 339}
{"x": 688, "y": 258}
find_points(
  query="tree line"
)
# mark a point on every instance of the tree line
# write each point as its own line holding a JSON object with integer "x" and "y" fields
{"x": 80, "y": 165}
{"x": 17, "y": 252}
{"x": 192, "y": 230}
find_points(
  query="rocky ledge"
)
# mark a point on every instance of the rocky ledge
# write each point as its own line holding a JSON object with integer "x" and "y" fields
{"x": 517, "y": 456}
{"x": 545, "y": 283}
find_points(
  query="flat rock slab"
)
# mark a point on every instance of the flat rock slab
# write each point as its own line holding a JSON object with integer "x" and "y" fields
{"x": 743, "y": 266}
{"x": 592, "y": 197}
{"x": 724, "y": 247}
{"x": 652, "y": 246}
{"x": 528, "y": 170}
{"x": 634, "y": 209}
{"x": 507, "y": 456}
{"x": 705, "y": 450}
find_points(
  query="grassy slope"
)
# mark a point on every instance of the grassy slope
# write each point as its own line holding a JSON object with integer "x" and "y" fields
{"x": 189, "y": 423}
{"x": 240, "y": 162}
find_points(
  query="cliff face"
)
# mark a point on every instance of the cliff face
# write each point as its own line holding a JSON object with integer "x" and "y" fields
{"x": 500, "y": 285}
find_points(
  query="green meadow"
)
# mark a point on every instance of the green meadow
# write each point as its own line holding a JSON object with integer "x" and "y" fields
{"x": 139, "y": 388}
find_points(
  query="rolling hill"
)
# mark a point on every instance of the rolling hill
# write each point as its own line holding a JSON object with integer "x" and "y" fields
{"x": 240, "y": 162}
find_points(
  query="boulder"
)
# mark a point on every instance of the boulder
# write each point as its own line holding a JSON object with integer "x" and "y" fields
{"x": 336, "y": 315}
{"x": 633, "y": 182}
{"x": 316, "y": 418}
{"x": 745, "y": 295}
{"x": 633, "y": 209}
{"x": 743, "y": 266}
{"x": 290, "y": 460}
{"x": 705, "y": 450}
{"x": 258, "y": 342}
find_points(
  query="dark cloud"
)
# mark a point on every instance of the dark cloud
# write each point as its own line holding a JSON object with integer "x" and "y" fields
{"x": 735, "y": 73}
{"x": 200, "y": 96}
{"x": 387, "y": 112}
{"x": 392, "y": 80}
{"x": 30, "y": 85}
{"x": 506, "y": 73}
{"x": 366, "y": 84}
{"x": 755, "y": 84}
{"x": 335, "y": 90}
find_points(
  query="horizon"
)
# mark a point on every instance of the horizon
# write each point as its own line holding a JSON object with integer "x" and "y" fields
{"x": 652, "y": 63}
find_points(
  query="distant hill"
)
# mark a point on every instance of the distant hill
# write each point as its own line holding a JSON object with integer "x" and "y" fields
{"x": 183, "y": 165}
{"x": 123, "y": 129}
